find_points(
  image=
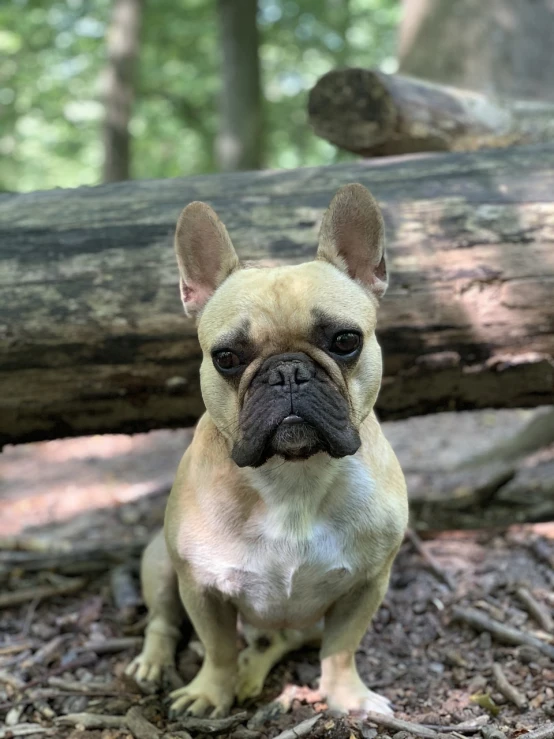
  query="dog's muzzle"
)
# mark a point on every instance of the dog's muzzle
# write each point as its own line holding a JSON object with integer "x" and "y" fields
{"x": 292, "y": 409}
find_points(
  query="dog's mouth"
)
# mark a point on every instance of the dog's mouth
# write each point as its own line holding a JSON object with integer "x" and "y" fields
{"x": 294, "y": 438}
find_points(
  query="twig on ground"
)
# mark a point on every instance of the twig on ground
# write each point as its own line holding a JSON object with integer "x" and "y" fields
{"x": 213, "y": 726}
{"x": 466, "y": 727}
{"x": 505, "y": 687}
{"x": 49, "y": 650}
{"x": 139, "y": 726}
{"x": 16, "y": 597}
{"x": 83, "y": 661}
{"x": 9, "y": 649}
{"x": 505, "y": 634}
{"x": 536, "y": 609}
{"x": 33, "y": 544}
{"x": 545, "y": 732}
{"x": 390, "y": 722}
{"x": 77, "y": 687}
{"x": 111, "y": 646}
{"x": 23, "y": 730}
{"x": 432, "y": 563}
{"x": 300, "y": 729}
{"x": 92, "y": 721}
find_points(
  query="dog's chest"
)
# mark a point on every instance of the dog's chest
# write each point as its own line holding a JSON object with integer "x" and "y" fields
{"x": 289, "y": 581}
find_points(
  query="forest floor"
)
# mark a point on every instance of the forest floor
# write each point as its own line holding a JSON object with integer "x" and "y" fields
{"x": 71, "y": 618}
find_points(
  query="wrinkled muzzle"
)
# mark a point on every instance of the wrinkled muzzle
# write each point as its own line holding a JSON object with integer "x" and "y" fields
{"x": 293, "y": 409}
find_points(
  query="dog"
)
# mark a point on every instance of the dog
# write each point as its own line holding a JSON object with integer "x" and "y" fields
{"x": 289, "y": 505}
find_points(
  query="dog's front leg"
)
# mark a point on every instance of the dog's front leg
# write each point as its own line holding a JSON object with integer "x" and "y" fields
{"x": 345, "y": 624}
{"x": 215, "y": 622}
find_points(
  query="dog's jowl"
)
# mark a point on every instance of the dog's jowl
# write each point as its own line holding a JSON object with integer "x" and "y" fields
{"x": 289, "y": 505}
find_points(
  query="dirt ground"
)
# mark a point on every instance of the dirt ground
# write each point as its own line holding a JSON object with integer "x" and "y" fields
{"x": 71, "y": 617}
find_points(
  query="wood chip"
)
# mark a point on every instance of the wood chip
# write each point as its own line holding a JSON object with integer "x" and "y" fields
{"x": 536, "y": 609}
{"x": 16, "y": 597}
{"x": 8, "y": 679}
{"x": 92, "y": 721}
{"x": 212, "y": 726}
{"x": 139, "y": 726}
{"x": 300, "y": 729}
{"x": 390, "y": 722}
{"x": 506, "y": 688}
{"x": 505, "y": 634}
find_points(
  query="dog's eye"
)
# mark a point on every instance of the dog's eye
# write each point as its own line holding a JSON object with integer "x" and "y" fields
{"x": 345, "y": 343}
{"x": 226, "y": 360}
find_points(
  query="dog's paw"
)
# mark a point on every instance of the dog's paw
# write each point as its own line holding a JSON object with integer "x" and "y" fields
{"x": 211, "y": 692}
{"x": 146, "y": 670}
{"x": 252, "y": 674}
{"x": 352, "y": 696}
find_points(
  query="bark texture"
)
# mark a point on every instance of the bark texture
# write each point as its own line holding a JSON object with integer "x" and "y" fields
{"x": 118, "y": 88}
{"x": 501, "y": 47}
{"x": 239, "y": 142}
{"x": 92, "y": 334}
{"x": 376, "y": 114}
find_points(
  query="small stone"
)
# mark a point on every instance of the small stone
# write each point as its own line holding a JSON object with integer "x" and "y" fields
{"x": 527, "y": 654}
{"x": 485, "y": 640}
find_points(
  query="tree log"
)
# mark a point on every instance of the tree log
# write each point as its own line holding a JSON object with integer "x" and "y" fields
{"x": 93, "y": 338}
{"x": 375, "y": 114}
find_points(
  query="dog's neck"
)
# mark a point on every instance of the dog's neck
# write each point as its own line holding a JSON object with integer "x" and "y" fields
{"x": 293, "y": 492}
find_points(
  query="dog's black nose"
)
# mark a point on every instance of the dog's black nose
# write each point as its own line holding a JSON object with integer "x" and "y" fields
{"x": 289, "y": 370}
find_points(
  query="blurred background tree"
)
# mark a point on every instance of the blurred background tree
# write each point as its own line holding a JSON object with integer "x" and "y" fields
{"x": 59, "y": 62}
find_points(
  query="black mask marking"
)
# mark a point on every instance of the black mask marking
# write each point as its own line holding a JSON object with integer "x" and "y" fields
{"x": 293, "y": 409}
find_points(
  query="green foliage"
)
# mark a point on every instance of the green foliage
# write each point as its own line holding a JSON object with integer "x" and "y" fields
{"x": 52, "y": 53}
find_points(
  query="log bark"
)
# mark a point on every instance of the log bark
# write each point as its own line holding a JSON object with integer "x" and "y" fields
{"x": 93, "y": 338}
{"x": 375, "y": 114}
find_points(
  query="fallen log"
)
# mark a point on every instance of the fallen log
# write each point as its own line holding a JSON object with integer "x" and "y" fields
{"x": 372, "y": 113}
{"x": 93, "y": 338}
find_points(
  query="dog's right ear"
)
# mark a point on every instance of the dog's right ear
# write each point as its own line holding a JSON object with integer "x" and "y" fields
{"x": 205, "y": 255}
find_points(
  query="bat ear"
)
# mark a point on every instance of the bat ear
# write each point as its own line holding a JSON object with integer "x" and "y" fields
{"x": 205, "y": 255}
{"x": 352, "y": 237}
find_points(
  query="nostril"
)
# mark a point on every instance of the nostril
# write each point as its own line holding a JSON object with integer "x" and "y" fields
{"x": 276, "y": 377}
{"x": 302, "y": 374}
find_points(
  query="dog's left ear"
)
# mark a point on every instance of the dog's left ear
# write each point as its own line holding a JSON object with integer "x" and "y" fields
{"x": 205, "y": 255}
{"x": 352, "y": 237}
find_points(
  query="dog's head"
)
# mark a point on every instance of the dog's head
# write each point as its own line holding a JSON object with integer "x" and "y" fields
{"x": 291, "y": 364}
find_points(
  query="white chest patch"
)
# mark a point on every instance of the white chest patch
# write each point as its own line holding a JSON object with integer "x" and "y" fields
{"x": 300, "y": 554}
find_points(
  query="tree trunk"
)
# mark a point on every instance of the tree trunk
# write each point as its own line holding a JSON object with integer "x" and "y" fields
{"x": 239, "y": 143}
{"x": 501, "y": 47}
{"x": 93, "y": 338}
{"x": 118, "y": 87}
{"x": 375, "y": 114}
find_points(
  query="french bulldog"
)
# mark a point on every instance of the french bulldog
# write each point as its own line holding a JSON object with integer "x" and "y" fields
{"x": 289, "y": 505}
